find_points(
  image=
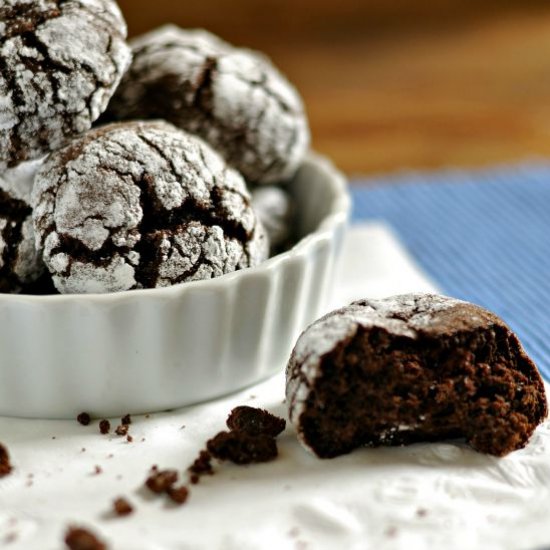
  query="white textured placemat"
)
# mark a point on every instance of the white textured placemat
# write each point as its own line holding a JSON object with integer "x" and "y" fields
{"x": 423, "y": 496}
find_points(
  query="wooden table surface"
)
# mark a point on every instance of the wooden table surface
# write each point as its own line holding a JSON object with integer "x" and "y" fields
{"x": 470, "y": 92}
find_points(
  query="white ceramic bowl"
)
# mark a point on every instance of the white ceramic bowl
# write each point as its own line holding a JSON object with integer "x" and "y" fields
{"x": 148, "y": 350}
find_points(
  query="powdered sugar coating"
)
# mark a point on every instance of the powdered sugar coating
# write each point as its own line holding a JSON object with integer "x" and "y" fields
{"x": 234, "y": 98}
{"x": 407, "y": 315}
{"x": 20, "y": 263}
{"x": 60, "y": 62}
{"x": 142, "y": 205}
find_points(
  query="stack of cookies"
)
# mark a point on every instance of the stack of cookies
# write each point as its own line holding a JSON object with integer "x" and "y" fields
{"x": 141, "y": 165}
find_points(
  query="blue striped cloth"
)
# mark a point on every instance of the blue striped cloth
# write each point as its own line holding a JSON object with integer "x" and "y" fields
{"x": 483, "y": 236}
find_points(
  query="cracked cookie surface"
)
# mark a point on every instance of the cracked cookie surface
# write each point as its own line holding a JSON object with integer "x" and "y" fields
{"x": 233, "y": 98}
{"x": 416, "y": 367}
{"x": 20, "y": 263}
{"x": 60, "y": 62}
{"x": 142, "y": 205}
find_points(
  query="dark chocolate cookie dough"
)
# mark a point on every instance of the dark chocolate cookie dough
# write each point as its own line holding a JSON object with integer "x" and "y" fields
{"x": 142, "y": 205}
{"x": 60, "y": 62}
{"x": 234, "y": 98}
{"x": 417, "y": 367}
{"x": 20, "y": 263}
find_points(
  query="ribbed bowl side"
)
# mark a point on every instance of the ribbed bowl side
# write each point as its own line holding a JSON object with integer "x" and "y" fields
{"x": 28, "y": 372}
{"x": 289, "y": 312}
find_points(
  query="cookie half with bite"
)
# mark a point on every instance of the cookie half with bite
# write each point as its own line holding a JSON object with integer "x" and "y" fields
{"x": 411, "y": 368}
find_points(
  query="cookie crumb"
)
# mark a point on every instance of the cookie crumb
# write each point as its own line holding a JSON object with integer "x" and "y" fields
{"x": 5, "y": 465}
{"x": 201, "y": 466}
{"x": 129, "y": 438}
{"x": 161, "y": 480}
{"x": 10, "y": 538}
{"x": 178, "y": 494}
{"x": 422, "y": 512}
{"x": 126, "y": 420}
{"x": 254, "y": 421}
{"x": 242, "y": 448}
{"x": 122, "y": 429}
{"x": 194, "y": 479}
{"x": 104, "y": 426}
{"x": 78, "y": 538}
{"x": 84, "y": 418}
{"x": 83, "y": 450}
{"x": 122, "y": 507}
{"x": 98, "y": 470}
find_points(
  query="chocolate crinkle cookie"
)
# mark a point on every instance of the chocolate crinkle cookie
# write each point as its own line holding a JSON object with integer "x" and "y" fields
{"x": 142, "y": 205}
{"x": 60, "y": 62}
{"x": 233, "y": 98}
{"x": 416, "y": 367}
{"x": 20, "y": 262}
{"x": 276, "y": 210}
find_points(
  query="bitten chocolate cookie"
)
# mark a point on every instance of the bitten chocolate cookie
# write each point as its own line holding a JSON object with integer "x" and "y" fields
{"x": 416, "y": 367}
{"x": 60, "y": 62}
{"x": 233, "y": 98}
{"x": 20, "y": 263}
{"x": 142, "y": 205}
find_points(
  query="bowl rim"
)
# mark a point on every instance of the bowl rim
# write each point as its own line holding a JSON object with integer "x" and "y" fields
{"x": 338, "y": 214}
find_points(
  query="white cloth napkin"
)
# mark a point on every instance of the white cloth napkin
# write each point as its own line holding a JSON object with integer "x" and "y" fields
{"x": 422, "y": 496}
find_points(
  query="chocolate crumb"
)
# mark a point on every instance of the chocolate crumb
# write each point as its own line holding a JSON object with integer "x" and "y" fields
{"x": 122, "y": 429}
{"x": 129, "y": 438}
{"x": 10, "y": 538}
{"x": 194, "y": 479}
{"x": 126, "y": 420}
{"x": 104, "y": 426}
{"x": 422, "y": 512}
{"x": 147, "y": 416}
{"x": 178, "y": 494}
{"x": 294, "y": 532}
{"x": 78, "y": 538}
{"x": 5, "y": 465}
{"x": 161, "y": 481}
{"x": 255, "y": 421}
{"x": 242, "y": 448}
{"x": 122, "y": 507}
{"x": 98, "y": 470}
{"x": 84, "y": 418}
{"x": 201, "y": 466}
{"x": 83, "y": 450}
